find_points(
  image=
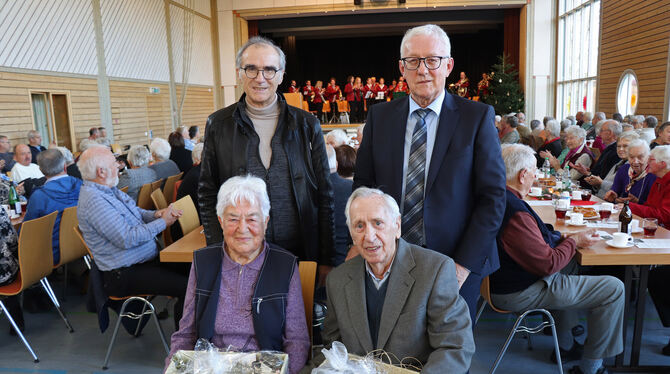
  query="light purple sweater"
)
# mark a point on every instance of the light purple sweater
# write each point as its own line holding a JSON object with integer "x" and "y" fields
{"x": 234, "y": 325}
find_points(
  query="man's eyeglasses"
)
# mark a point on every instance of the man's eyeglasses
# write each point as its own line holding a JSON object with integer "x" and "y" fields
{"x": 431, "y": 62}
{"x": 252, "y": 72}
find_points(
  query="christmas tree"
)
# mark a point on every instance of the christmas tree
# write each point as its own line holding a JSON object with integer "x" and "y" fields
{"x": 504, "y": 90}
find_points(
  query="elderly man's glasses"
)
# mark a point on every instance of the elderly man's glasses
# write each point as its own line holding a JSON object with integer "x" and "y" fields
{"x": 431, "y": 62}
{"x": 252, "y": 72}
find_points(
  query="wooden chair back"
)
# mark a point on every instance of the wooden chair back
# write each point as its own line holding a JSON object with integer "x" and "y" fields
{"x": 159, "y": 202}
{"x": 156, "y": 185}
{"x": 116, "y": 148}
{"x": 71, "y": 248}
{"x": 144, "y": 197}
{"x": 307, "y": 271}
{"x": 168, "y": 189}
{"x": 176, "y": 188}
{"x": 124, "y": 189}
{"x": 485, "y": 291}
{"x": 189, "y": 219}
{"x": 35, "y": 249}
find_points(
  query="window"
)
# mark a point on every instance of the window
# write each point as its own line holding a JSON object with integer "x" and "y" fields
{"x": 626, "y": 93}
{"x": 578, "y": 34}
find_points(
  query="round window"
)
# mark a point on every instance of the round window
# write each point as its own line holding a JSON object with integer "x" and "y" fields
{"x": 627, "y": 93}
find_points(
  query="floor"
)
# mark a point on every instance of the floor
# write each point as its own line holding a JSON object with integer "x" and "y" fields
{"x": 83, "y": 351}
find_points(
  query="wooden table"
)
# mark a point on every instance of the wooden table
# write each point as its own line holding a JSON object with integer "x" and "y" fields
{"x": 182, "y": 250}
{"x": 643, "y": 258}
{"x": 17, "y": 222}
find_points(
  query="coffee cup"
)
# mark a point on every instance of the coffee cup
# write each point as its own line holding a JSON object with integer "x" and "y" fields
{"x": 577, "y": 218}
{"x": 576, "y": 195}
{"x": 536, "y": 191}
{"x": 634, "y": 225}
{"x": 565, "y": 194}
{"x": 607, "y": 206}
{"x": 620, "y": 239}
{"x": 563, "y": 204}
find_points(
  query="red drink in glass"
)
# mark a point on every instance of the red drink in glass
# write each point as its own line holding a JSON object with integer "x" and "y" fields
{"x": 586, "y": 196}
{"x": 560, "y": 213}
{"x": 605, "y": 214}
{"x": 650, "y": 231}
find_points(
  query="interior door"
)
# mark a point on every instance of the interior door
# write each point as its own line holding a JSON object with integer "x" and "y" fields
{"x": 62, "y": 121}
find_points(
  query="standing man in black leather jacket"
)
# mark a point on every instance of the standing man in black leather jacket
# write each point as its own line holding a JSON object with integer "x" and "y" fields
{"x": 283, "y": 145}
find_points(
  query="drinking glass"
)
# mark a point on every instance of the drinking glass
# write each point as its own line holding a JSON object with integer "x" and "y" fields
{"x": 649, "y": 225}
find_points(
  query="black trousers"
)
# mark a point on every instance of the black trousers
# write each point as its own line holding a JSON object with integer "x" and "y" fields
{"x": 657, "y": 286}
{"x": 356, "y": 111}
{"x": 150, "y": 278}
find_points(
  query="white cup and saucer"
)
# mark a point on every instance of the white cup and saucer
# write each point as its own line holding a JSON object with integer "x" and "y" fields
{"x": 576, "y": 219}
{"x": 620, "y": 240}
{"x": 535, "y": 192}
{"x": 635, "y": 226}
{"x": 576, "y": 195}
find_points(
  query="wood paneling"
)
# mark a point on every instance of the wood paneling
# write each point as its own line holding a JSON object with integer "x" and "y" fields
{"x": 15, "y": 104}
{"x": 634, "y": 35}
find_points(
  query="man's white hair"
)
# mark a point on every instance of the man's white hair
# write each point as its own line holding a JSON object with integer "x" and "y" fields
{"x": 160, "y": 148}
{"x": 88, "y": 166}
{"x": 661, "y": 153}
{"x": 332, "y": 157}
{"x": 576, "y": 131}
{"x": 337, "y": 137}
{"x": 498, "y": 118}
{"x": 553, "y": 127}
{"x": 427, "y": 30}
{"x": 243, "y": 188}
{"x": 69, "y": 158}
{"x": 139, "y": 156}
{"x": 517, "y": 157}
{"x": 614, "y": 126}
{"x": 599, "y": 116}
{"x": 196, "y": 153}
{"x": 362, "y": 192}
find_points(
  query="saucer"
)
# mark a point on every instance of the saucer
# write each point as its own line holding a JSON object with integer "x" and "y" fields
{"x": 611, "y": 244}
{"x": 534, "y": 195}
{"x": 637, "y": 231}
{"x": 569, "y": 223}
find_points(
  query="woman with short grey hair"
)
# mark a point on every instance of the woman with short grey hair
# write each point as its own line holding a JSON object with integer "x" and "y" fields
{"x": 601, "y": 186}
{"x": 139, "y": 173}
{"x": 552, "y": 141}
{"x": 576, "y": 153}
{"x": 163, "y": 166}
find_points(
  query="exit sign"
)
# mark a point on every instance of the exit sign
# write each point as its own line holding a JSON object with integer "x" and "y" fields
{"x": 154, "y": 90}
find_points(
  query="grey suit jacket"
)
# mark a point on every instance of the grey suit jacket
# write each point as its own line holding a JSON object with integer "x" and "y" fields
{"x": 135, "y": 179}
{"x": 423, "y": 315}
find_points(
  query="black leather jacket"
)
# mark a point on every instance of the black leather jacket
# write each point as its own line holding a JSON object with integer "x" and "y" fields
{"x": 224, "y": 156}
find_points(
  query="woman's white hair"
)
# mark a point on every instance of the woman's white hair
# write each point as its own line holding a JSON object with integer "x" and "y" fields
{"x": 553, "y": 127}
{"x": 638, "y": 143}
{"x": 196, "y": 153}
{"x": 629, "y": 135}
{"x": 427, "y": 30}
{"x": 160, "y": 148}
{"x": 139, "y": 156}
{"x": 361, "y": 192}
{"x": 517, "y": 157}
{"x": 576, "y": 131}
{"x": 243, "y": 188}
{"x": 69, "y": 158}
{"x": 661, "y": 153}
{"x": 337, "y": 138}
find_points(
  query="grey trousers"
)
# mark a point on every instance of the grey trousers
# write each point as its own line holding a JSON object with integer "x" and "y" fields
{"x": 602, "y": 297}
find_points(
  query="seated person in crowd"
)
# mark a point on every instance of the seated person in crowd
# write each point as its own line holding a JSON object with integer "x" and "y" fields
{"x": 122, "y": 237}
{"x": 632, "y": 181}
{"x": 163, "y": 166}
{"x": 93, "y": 135}
{"x": 602, "y": 185}
{"x": 662, "y": 135}
{"x": 577, "y": 153}
{"x": 24, "y": 169}
{"x": 178, "y": 152}
{"x": 552, "y": 144}
{"x": 608, "y": 133}
{"x": 647, "y": 132}
{"x": 532, "y": 274}
{"x": 70, "y": 167}
{"x": 658, "y": 201}
{"x": 359, "y": 135}
{"x": 341, "y": 193}
{"x": 346, "y": 161}
{"x": 189, "y": 184}
{"x": 139, "y": 172}
{"x": 396, "y": 296}
{"x": 102, "y": 138}
{"x": 188, "y": 144}
{"x": 337, "y": 138}
{"x": 35, "y": 144}
{"x": 60, "y": 191}
{"x": 6, "y": 157}
{"x": 229, "y": 281}
{"x": 194, "y": 135}
{"x": 508, "y": 133}
{"x": 9, "y": 267}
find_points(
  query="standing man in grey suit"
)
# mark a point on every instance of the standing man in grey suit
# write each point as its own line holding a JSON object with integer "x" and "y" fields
{"x": 438, "y": 156}
{"x": 396, "y": 296}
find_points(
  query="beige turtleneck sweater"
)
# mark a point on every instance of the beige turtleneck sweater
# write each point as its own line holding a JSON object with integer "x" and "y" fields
{"x": 265, "y": 123}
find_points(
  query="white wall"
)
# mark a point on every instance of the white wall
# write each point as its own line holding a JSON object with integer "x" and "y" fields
{"x": 540, "y": 57}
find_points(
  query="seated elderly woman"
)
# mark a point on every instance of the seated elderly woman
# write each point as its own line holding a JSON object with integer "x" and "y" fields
{"x": 552, "y": 142}
{"x": 576, "y": 153}
{"x": 139, "y": 173}
{"x": 601, "y": 186}
{"x": 632, "y": 181}
{"x": 9, "y": 267}
{"x": 337, "y": 138}
{"x": 178, "y": 153}
{"x": 256, "y": 301}
{"x": 163, "y": 166}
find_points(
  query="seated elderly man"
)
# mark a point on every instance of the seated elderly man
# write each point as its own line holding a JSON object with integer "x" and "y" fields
{"x": 396, "y": 296}
{"x": 662, "y": 135}
{"x": 6, "y": 157}
{"x": 121, "y": 236}
{"x": 658, "y": 201}
{"x": 35, "y": 144}
{"x": 24, "y": 169}
{"x": 602, "y": 184}
{"x": 59, "y": 192}
{"x": 608, "y": 133}
{"x": 632, "y": 181}
{"x": 337, "y": 138}
{"x": 533, "y": 260}
{"x": 139, "y": 173}
{"x": 163, "y": 166}
{"x": 244, "y": 293}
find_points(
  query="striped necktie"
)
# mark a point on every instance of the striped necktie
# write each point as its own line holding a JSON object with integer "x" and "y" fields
{"x": 412, "y": 219}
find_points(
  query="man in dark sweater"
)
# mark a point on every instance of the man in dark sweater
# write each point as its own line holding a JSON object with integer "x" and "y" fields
{"x": 535, "y": 263}
{"x": 341, "y": 192}
{"x": 609, "y": 133}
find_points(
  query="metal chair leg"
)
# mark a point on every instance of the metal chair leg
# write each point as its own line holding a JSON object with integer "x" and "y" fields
{"x": 116, "y": 330}
{"x": 555, "y": 336}
{"x": 160, "y": 329}
{"x": 139, "y": 321}
{"x": 507, "y": 342}
{"x": 18, "y": 332}
{"x": 54, "y": 300}
{"x": 64, "y": 282}
{"x": 480, "y": 311}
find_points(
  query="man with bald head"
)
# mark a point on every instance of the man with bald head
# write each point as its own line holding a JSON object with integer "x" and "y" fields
{"x": 24, "y": 169}
{"x": 121, "y": 236}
